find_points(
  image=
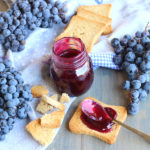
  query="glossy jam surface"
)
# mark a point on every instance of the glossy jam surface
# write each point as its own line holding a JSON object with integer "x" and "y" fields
{"x": 96, "y": 117}
{"x": 70, "y": 53}
{"x": 71, "y": 67}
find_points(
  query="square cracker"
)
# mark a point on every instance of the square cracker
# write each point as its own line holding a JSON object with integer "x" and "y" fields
{"x": 52, "y": 120}
{"x": 87, "y": 30}
{"x": 103, "y": 9}
{"x": 43, "y": 135}
{"x": 39, "y": 90}
{"x": 96, "y": 17}
{"x": 64, "y": 98}
{"x": 77, "y": 126}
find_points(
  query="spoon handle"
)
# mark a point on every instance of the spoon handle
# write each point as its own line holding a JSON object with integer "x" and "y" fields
{"x": 145, "y": 136}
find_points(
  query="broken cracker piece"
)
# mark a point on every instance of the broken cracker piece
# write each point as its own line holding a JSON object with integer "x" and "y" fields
{"x": 55, "y": 97}
{"x": 52, "y": 120}
{"x": 39, "y": 90}
{"x": 64, "y": 98}
{"x": 43, "y": 135}
{"x": 54, "y": 103}
{"x": 43, "y": 107}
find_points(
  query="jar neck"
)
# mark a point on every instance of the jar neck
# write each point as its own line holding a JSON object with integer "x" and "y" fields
{"x": 73, "y": 62}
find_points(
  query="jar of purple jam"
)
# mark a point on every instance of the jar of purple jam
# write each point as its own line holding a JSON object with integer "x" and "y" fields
{"x": 71, "y": 67}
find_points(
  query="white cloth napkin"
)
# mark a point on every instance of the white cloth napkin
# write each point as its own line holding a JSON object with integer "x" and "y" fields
{"x": 128, "y": 17}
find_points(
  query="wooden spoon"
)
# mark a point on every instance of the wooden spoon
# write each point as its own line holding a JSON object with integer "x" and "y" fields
{"x": 140, "y": 133}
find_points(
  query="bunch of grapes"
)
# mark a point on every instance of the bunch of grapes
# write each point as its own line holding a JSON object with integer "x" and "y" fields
{"x": 133, "y": 55}
{"x": 14, "y": 97}
{"x": 25, "y": 15}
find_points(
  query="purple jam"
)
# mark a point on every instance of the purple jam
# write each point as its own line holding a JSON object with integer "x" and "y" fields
{"x": 97, "y": 117}
{"x": 69, "y": 53}
{"x": 71, "y": 68}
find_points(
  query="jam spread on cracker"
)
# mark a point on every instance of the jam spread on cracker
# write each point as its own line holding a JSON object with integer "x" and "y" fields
{"x": 97, "y": 117}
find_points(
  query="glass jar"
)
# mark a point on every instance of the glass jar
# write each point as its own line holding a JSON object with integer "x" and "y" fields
{"x": 71, "y": 67}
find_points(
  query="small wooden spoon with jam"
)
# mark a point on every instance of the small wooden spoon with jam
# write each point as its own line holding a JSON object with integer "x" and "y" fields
{"x": 105, "y": 117}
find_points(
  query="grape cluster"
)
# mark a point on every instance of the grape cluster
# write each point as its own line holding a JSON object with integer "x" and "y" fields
{"x": 14, "y": 97}
{"x": 133, "y": 55}
{"x": 26, "y": 15}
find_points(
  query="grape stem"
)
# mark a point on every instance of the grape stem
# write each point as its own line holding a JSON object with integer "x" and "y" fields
{"x": 147, "y": 26}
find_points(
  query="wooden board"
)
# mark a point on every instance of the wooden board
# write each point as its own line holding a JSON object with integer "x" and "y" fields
{"x": 106, "y": 87}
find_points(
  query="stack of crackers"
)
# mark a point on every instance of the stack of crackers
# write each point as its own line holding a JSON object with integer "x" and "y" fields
{"x": 43, "y": 128}
{"x": 89, "y": 23}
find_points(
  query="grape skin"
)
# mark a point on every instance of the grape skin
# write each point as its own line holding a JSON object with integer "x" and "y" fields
{"x": 25, "y": 15}
{"x": 135, "y": 62}
{"x": 14, "y": 97}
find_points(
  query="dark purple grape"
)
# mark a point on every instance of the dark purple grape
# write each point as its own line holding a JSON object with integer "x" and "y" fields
{"x": 136, "y": 84}
{"x": 12, "y": 27}
{"x": 126, "y": 85}
{"x": 115, "y": 42}
{"x": 16, "y": 13}
{"x": 6, "y": 32}
{"x": 145, "y": 40}
{"x": 118, "y": 49}
{"x": 146, "y": 56}
{"x": 130, "y": 57}
{"x": 127, "y": 36}
{"x": 20, "y": 37}
{"x": 131, "y": 69}
{"x": 133, "y": 108}
{"x": 139, "y": 49}
{"x": 124, "y": 42}
{"x": 146, "y": 87}
{"x": 118, "y": 59}
{"x": 138, "y": 34}
{"x": 138, "y": 60}
{"x": 21, "y": 47}
{"x": 54, "y": 11}
{"x": 57, "y": 19}
{"x": 4, "y": 26}
{"x": 7, "y": 45}
{"x": 36, "y": 4}
{"x": 32, "y": 26}
{"x": 23, "y": 22}
{"x": 145, "y": 66}
{"x": 16, "y": 22}
{"x": 46, "y": 13}
{"x": 132, "y": 43}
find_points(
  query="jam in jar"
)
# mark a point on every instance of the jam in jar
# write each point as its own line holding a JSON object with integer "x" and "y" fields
{"x": 71, "y": 67}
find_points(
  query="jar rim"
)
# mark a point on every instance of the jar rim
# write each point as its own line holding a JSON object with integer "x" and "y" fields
{"x": 76, "y": 59}
{"x": 78, "y": 39}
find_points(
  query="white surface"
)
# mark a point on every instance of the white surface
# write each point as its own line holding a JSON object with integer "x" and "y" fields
{"x": 128, "y": 17}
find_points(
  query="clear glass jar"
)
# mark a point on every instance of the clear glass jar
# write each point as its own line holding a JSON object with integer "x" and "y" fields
{"x": 71, "y": 67}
